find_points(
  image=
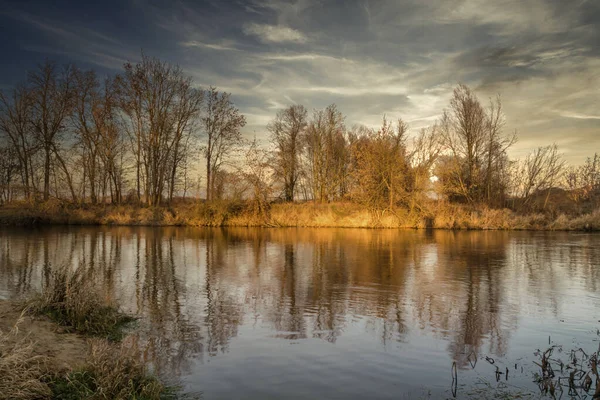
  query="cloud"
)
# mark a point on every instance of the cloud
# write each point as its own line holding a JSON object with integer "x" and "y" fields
{"x": 195, "y": 43}
{"x": 568, "y": 114}
{"x": 401, "y": 58}
{"x": 275, "y": 33}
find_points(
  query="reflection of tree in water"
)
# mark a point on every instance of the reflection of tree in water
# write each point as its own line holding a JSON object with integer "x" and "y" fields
{"x": 222, "y": 314}
{"x": 318, "y": 282}
{"x": 477, "y": 262}
{"x": 153, "y": 291}
{"x": 288, "y": 315}
{"x": 195, "y": 288}
{"x": 172, "y": 336}
{"x": 548, "y": 264}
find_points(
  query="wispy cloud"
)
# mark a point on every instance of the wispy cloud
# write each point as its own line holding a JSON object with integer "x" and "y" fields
{"x": 275, "y": 33}
{"x": 568, "y": 114}
{"x": 213, "y": 46}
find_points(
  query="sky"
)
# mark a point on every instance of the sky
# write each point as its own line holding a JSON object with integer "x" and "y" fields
{"x": 399, "y": 58}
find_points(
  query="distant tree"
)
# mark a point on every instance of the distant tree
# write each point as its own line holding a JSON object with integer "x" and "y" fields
{"x": 16, "y": 114}
{"x": 222, "y": 125}
{"x": 52, "y": 91}
{"x": 160, "y": 105}
{"x": 473, "y": 137}
{"x": 538, "y": 173}
{"x": 327, "y": 155}
{"x": 286, "y": 133}
{"x": 257, "y": 172}
{"x": 382, "y": 166}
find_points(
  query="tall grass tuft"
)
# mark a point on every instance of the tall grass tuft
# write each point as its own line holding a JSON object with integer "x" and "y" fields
{"x": 72, "y": 300}
{"x": 113, "y": 371}
{"x": 20, "y": 369}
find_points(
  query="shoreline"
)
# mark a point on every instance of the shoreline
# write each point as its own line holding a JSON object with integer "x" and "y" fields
{"x": 42, "y": 357}
{"x": 295, "y": 215}
{"x": 63, "y": 350}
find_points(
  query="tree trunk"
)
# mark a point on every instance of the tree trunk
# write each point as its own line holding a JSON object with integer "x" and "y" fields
{"x": 47, "y": 173}
{"x": 208, "y": 178}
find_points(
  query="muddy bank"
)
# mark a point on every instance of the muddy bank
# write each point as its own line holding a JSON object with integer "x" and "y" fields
{"x": 64, "y": 350}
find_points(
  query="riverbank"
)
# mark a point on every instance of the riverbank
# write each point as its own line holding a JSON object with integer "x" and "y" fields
{"x": 332, "y": 215}
{"x": 61, "y": 349}
{"x": 67, "y": 343}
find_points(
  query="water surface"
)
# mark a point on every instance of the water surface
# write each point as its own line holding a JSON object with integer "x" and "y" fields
{"x": 330, "y": 313}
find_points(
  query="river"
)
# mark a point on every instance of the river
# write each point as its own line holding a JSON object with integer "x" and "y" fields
{"x": 331, "y": 313}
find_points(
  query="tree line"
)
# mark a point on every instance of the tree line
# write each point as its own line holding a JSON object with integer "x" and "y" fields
{"x": 141, "y": 135}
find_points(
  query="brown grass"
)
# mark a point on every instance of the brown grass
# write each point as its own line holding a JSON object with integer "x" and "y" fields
{"x": 435, "y": 214}
{"x": 110, "y": 370}
{"x": 21, "y": 370}
{"x": 72, "y": 300}
{"x": 113, "y": 371}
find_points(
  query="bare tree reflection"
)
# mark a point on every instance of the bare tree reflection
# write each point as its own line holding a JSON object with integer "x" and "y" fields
{"x": 195, "y": 288}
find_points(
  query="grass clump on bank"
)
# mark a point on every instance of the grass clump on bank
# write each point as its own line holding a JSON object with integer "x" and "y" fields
{"x": 71, "y": 299}
{"x": 113, "y": 371}
{"x": 114, "y": 367}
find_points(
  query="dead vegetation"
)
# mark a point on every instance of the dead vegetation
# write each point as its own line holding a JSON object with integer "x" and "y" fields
{"x": 556, "y": 373}
{"x": 438, "y": 215}
{"x": 113, "y": 371}
{"x": 21, "y": 369}
{"x": 114, "y": 368}
{"x": 71, "y": 299}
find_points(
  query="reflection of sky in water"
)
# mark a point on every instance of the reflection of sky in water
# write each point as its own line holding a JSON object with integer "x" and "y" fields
{"x": 301, "y": 313}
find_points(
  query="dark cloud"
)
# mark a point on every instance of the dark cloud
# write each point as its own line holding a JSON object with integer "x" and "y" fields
{"x": 370, "y": 57}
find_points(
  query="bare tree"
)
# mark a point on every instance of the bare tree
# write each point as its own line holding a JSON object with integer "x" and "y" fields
{"x": 160, "y": 105}
{"x": 496, "y": 171}
{"x": 286, "y": 133}
{"x": 222, "y": 125}
{"x": 257, "y": 172}
{"x": 52, "y": 102}
{"x": 426, "y": 149}
{"x": 463, "y": 134}
{"x": 538, "y": 174}
{"x": 473, "y": 138}
{"x": 583, "y": 181}
{"x": 325, "y": 145}
{"x": 9, "y": 168}
{"x": 186, "y": 111}
{"x": 16, "y": 111}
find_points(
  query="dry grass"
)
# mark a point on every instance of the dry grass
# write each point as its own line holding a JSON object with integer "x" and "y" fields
{"x": 21, "y": 371}
{"x": 113, "y": 371}
{"x": 71, "y": 299}
{"x": 442, "y": 215}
